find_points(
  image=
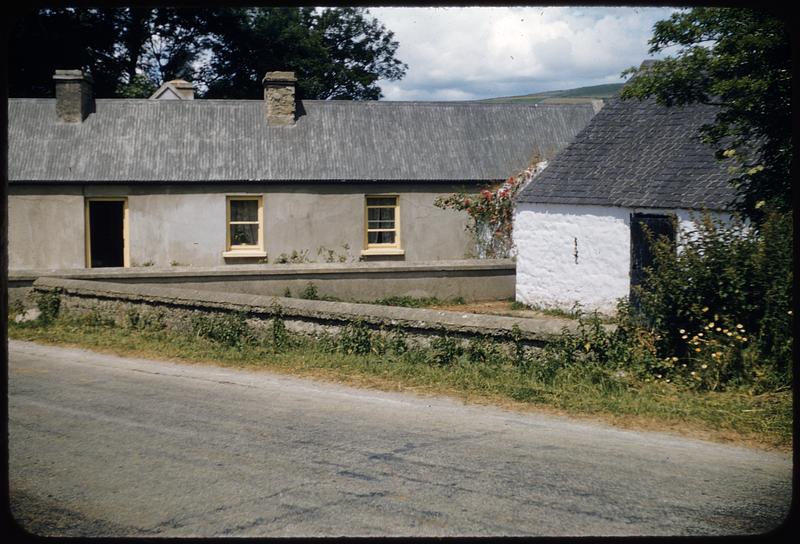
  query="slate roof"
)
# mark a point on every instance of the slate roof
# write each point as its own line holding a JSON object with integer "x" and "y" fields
{"x": 636, "y": 153}
{"x": 128, "y": 140}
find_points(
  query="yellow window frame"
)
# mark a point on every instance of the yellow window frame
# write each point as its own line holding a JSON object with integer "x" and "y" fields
{"x": 382, "y": 248}
{"x": 256, "y": 249}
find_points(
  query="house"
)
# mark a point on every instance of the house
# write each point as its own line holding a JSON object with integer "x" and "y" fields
{"x": 133, "y": 182}
{"x": 578, "y": 226}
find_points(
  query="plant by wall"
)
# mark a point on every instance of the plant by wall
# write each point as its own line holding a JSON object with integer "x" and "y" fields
{"x": 721, "y": 306}
{"x": 491, "y": 213}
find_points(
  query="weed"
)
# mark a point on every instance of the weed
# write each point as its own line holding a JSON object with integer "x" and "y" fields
{"x": 355, "y": 338}
{"x": 310, "y": 292}
{"x": 444, "y": 350}
{"x": 49, "y": 303}
{"x": 279, "y": 334}
{"x": 227, "y": 329}
{"x": 296, "y": 257}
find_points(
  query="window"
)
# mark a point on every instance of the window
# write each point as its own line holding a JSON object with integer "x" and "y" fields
{"x": 382, "y": 232}
{"x": 245, "y": 224}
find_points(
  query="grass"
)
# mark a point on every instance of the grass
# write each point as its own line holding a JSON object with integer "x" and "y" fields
{"x": 481, "y": 374}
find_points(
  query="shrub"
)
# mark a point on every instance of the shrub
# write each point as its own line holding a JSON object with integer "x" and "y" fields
{"x": 355, "y": 339}
{"x": 279, "y": 336}
{"x": 310, "y": 292}
{"x": 740, "y": 278}
{"x": 444, "y": 350}
{"x": 228, "y": 329}
{"x": 49, "y": 304}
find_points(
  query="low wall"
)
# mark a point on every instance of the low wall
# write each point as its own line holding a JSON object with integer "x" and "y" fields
{"x": 472, "y": 280}
{"x": 176, "y": 306}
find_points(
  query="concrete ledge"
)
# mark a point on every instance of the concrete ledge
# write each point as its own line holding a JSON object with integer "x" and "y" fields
{"x": 499, "y": 265}
{"x": 417, "y": 321}
{"x": 472, "y": 280}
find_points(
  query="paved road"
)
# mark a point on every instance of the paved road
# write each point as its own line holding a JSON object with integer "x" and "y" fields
{"x": 103, "y": 445}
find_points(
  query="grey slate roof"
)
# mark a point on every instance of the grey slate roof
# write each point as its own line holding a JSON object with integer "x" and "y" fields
{"x": 229, "y": 140}
{"x": 636, "y": 153}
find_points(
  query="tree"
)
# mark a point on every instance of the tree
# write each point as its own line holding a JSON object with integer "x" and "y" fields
{"x": 336, "y": 52}
{"x": 739, "y": 61}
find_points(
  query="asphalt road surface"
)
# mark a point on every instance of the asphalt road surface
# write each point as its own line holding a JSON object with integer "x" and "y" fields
{"x": 109, "y": 446}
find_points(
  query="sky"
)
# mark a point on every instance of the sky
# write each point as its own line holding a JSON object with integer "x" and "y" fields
{"x": 483, "y": 52}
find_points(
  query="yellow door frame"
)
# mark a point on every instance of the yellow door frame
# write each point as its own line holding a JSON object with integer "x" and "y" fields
{"x": 126, "y": 246}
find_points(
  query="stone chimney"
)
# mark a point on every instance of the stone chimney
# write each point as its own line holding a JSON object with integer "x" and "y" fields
{"x": 279, "y": 100}
{"x": 184, "y": 88}
{"x": 74, "y": 100}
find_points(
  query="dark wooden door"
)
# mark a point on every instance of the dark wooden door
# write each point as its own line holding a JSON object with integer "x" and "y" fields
{"x": 645, "y": 230}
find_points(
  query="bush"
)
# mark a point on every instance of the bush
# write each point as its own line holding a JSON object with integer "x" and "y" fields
{"x": 732, "y": 275}
{"x": 228, "y": 329}
{"x": 355, "y": 339}
{"x": 49, "y": 304}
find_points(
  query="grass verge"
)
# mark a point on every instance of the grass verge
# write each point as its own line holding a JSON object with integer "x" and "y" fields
{"x": 756, "y": 420}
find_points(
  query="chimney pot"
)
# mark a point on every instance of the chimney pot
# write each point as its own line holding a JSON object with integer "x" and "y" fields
{"x": 74, "y": 99}
{"x": 279, "y": 98}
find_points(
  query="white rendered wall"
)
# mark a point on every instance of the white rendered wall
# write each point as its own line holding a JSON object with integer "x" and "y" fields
{"x": 548, "y": 273}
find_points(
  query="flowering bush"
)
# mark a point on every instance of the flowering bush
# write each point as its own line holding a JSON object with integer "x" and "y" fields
{"x": 721, "y": 307}
{"x": 491, "y": 213}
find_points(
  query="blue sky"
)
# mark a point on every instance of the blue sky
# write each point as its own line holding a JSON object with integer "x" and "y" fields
{"x": 483, "y": 52}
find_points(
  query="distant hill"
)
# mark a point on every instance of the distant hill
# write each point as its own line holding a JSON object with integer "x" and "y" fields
{"x": 581, "y": 94}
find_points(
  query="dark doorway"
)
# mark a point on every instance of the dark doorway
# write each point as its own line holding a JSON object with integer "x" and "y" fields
{"x": 645, "y": 230}
{"x": 106, "y": 233}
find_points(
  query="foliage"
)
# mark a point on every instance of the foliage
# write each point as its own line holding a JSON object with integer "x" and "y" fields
{"x": 279, "y": 336}
{"x": 337, "y": 52}
{"x": 726, "y": 282}
{"x": 491, "y": 213}
{"x": 738, "y": 60}
{"x": 49, "y": 304}
{"x": 229, "y": 329}
{"x": 355, "y": 339}
{"x": 310, "y": 292}
{"x": 577, "y": 383}
{"x": 331, "y": 256}
{"x": 444, "y": 350}
{"x": 295, "y": 257}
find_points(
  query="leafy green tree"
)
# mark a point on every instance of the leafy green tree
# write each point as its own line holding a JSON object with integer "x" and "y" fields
{"x": 336, "y": 52}
{"x": 739, "y": 61}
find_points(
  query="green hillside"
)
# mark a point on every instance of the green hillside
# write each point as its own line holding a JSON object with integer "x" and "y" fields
{"x": 581, "y": 94}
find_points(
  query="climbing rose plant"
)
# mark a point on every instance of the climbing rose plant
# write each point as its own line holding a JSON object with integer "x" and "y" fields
{"x": 491, "y": 213}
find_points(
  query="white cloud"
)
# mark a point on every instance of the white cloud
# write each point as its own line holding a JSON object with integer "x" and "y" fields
{"x": 482, "y": 52}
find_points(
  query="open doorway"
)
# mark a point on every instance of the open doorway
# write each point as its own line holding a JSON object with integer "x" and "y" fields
{"x": 645, "y": 229}
{"x": 106, "y": 232}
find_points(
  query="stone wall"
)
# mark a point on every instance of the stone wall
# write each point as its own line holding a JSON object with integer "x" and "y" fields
{"x": 176, "y": 307}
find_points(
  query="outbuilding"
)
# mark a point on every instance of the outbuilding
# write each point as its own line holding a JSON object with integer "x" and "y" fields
{"x": 579, "y": 225}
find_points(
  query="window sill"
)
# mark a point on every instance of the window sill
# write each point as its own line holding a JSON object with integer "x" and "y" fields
{"x": 244, "y": 253}
{"x": 382, "y": 251}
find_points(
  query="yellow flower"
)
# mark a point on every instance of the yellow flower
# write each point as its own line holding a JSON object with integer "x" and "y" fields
{"x": 713, "y": 355}
{"x": 739, "y": 326}
{"x": 729, "y": 333}
{"x": 718, "y": 329}
{"x": 744, "y": 339}
{"x": 697, "y": 349}
{"x": 674, "y": 358}
{"x": 693, "y": 372}
{"x": 684, "y": 337}
{"x": 705, "y": 309}
{"x": 704, "y": 366}
{"x": 699, "y": 334}
{"x": 710, "y": 325}
{"x": 683, "y": 331}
